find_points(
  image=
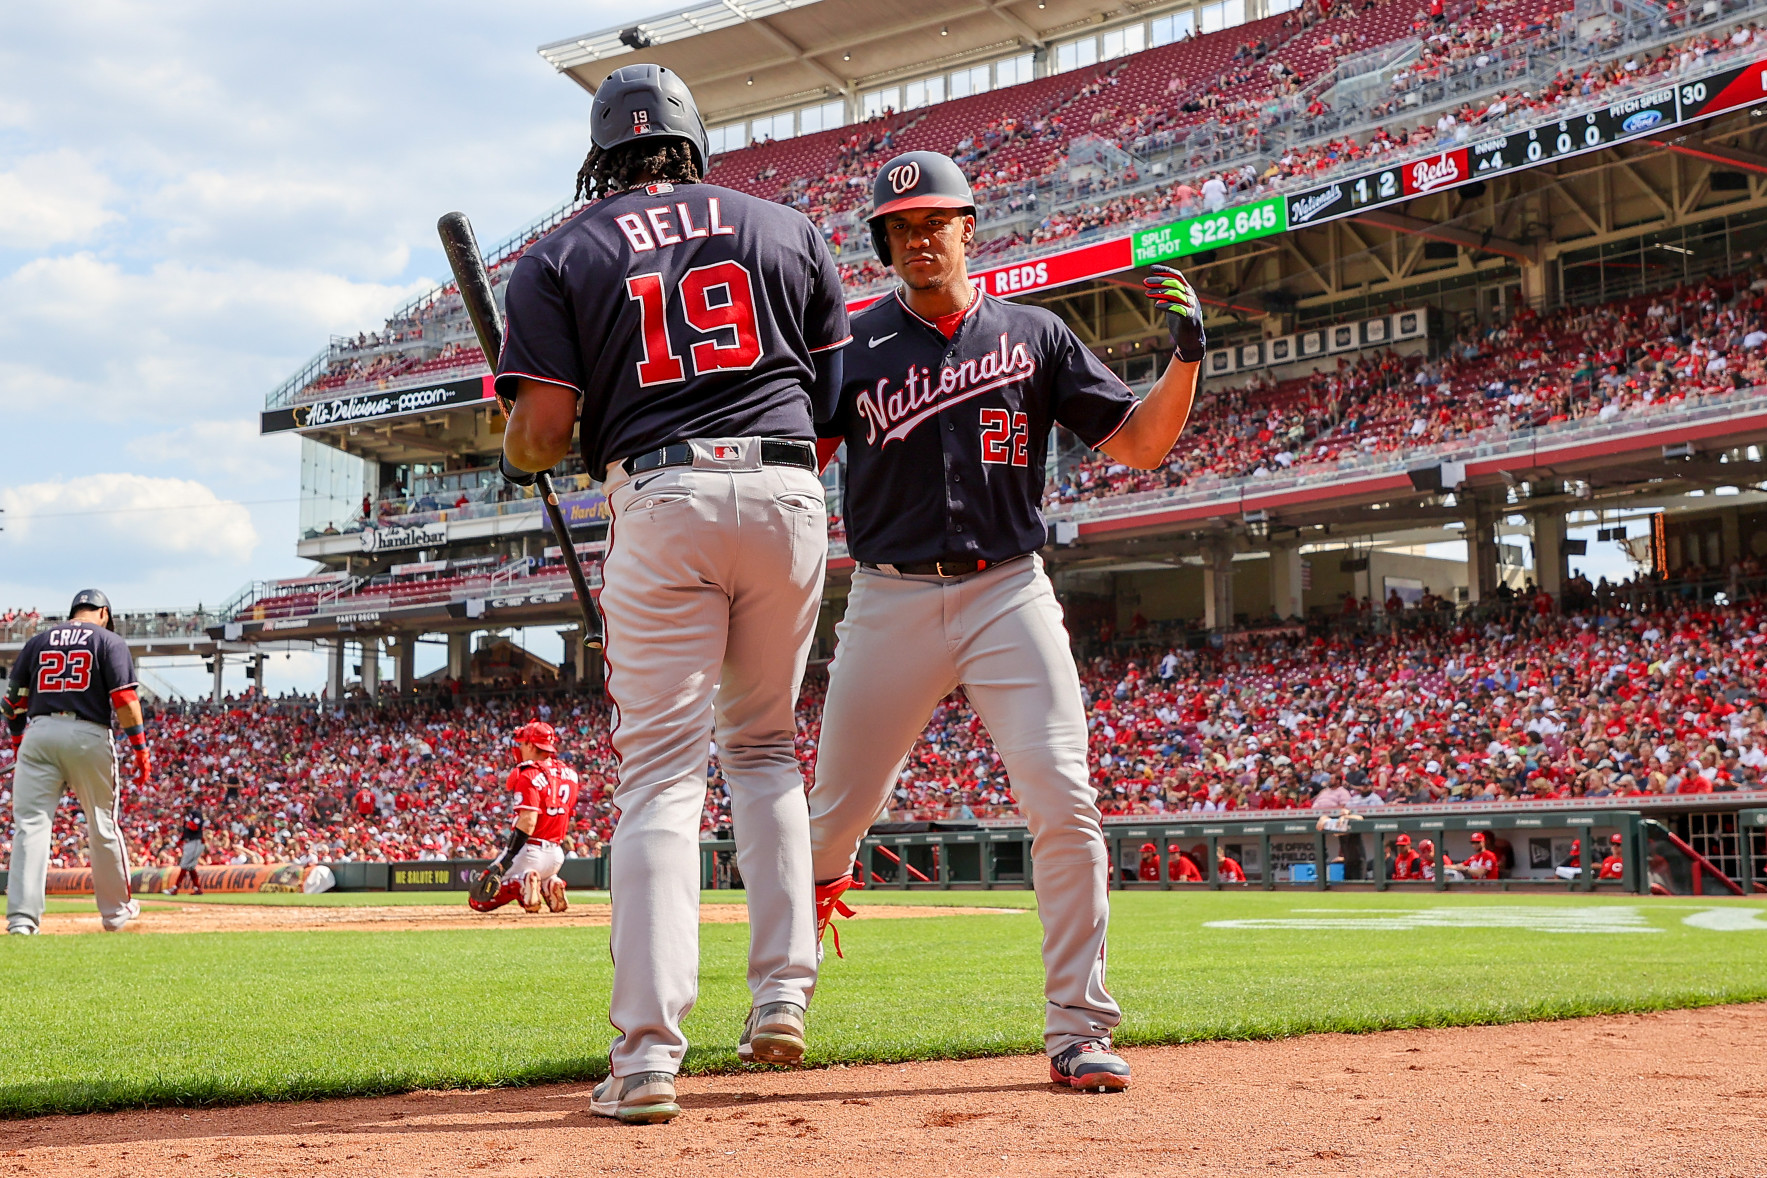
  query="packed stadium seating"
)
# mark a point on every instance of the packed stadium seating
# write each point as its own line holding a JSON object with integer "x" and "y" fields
{"x": 1242, "y": 109}
{"x": 1631, "y": 690}
{"x": 1599, "y": 363}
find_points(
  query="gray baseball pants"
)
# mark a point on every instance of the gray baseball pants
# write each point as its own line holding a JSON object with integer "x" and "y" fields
{"x": 61, "y": 752}
{"x": 905, "y": 644}
{"x": 713, "y": 582}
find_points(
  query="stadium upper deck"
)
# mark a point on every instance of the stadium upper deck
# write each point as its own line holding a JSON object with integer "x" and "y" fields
{"x": 1459, "y": 194}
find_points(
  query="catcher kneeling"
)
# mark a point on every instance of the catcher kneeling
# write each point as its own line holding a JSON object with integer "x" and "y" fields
{"x": 527, "y": 870}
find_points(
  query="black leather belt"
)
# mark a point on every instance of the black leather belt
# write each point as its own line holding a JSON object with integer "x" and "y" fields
{"x": 941, "y": 568}
{"x": 774, "y": 452}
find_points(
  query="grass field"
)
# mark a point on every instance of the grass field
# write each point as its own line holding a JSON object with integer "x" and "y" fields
{"x": 107, "y": 1022}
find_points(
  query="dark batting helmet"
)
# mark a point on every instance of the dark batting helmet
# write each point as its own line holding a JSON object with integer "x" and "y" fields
{"x": 646, "y": 102}
{"x": 92, "y": 599}
{"x": 539, "y": 734}
{"x": 916, "y": 180}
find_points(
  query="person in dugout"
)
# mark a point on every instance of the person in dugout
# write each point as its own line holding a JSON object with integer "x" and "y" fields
{"x": 1149, "y": 868}
{"x": 1614, "y": 866}
{"x": 1227, "y": 869}
{"x": 1182, "y": 867}
{"x": 1403, "y": 863}
{"x": 1483, "y": 863}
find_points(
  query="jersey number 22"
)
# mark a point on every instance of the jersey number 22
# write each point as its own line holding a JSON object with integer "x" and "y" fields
{"x": 1004, "y": 437}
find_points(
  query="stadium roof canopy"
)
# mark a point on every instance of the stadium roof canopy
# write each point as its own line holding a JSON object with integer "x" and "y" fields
{"x": 753, "y": 56}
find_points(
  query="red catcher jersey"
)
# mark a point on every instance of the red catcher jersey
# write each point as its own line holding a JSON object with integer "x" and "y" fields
{"x": 549, "y": 788}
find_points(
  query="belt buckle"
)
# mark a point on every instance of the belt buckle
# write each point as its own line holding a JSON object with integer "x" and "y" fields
{"x": 939, "y": 567}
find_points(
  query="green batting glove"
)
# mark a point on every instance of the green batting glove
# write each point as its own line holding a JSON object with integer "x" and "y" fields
{"x": 1184, "y": 311}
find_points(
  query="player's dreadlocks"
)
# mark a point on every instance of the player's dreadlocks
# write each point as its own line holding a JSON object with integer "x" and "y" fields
{"x": 630, "y": 164}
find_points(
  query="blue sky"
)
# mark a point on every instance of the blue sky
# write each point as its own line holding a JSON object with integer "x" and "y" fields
{"x": 193, "y": 196}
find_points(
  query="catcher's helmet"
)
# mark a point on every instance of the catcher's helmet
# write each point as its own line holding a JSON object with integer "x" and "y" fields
{"x": 647, "y": 102}
{"x": 916, "y": 180}
{"x": 539, "y": 734}
{"x": 92, "y": 599}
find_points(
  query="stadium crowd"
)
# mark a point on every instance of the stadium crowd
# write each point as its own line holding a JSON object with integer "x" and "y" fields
{"x": 1579, "y": 363}
{"x": 1620, "y": 694}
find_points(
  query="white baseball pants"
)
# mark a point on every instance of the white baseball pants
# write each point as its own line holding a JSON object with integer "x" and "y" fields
{"x": 713, "y": 582}
{"x": 905, "y": 644}
{"x": 62, "y": 752}
{"x": 543, "y": 858}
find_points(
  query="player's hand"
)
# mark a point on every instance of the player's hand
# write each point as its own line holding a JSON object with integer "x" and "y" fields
{"x": 1174, "y": 295}
{"x": 143, "y": 765}
{"x": 515, "y": 474}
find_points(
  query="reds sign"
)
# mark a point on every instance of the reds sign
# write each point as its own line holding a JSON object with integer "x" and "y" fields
{"x": 1438, "y": 171}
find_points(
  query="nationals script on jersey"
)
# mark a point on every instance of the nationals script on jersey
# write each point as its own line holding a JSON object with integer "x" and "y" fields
{"x": 946, "y": 439}
{"x": 678, "y": 311}
{"x": 549, "y": 788}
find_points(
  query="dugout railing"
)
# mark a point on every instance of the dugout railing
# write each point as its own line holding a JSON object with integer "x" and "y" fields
{"x": 1711, "y": 852}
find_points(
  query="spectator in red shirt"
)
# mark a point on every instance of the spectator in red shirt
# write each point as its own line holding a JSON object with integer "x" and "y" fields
{"x": 365, "y": 805}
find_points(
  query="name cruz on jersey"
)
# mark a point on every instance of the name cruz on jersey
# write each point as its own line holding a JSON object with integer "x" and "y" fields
{"x": 946, "y": 438}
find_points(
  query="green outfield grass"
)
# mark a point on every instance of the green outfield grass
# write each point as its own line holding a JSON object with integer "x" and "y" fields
{"x": 117, "y": 1021}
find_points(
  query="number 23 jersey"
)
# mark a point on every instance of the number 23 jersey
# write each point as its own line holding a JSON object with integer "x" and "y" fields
{"x": 946, "y": 439}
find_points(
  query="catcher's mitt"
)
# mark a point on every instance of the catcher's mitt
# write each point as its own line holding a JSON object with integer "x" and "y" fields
{"x": 486, "y": 884}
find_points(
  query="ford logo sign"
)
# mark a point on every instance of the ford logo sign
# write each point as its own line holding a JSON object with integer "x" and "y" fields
{"x": 1643, "y": 120}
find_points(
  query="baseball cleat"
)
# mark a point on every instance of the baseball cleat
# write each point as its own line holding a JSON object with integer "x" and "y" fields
{"x": 774, "y": 1033}
{"x": 829, "y": 902}
{"x": 114, "y": 924}
{"x": 553, "y": 891}
{"x": 646, "y": 1098}
{"x": 23, "y": 928}
{"x": 530, "y": 886}
{"x": 1090, "y": 1066}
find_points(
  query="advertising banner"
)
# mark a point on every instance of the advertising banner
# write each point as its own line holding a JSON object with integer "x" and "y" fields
{"x": 432, "y": 535}
{"x": 586, "y": 507}
{"x": 242, "y": 877}
{"x": 373, "y": 406}
{"x": 1211, "y": 230}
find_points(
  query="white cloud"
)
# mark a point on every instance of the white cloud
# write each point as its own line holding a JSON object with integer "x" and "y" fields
{"x": 233, "y": 448}
{"x": 122, "y": 520}
{"x": 53, "y": 198}
{"x": 171, "y": 343}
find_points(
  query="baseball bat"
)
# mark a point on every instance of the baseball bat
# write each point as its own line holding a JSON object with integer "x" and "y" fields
{"x": 470, "y": 275}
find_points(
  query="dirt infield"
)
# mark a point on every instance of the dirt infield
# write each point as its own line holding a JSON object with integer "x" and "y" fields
{"x": 160, "y": 916}
{"x": 1683, "y": 1092}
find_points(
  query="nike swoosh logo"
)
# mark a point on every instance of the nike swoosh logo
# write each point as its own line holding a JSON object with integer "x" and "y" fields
{"x": 639, "y": 486}
{"x": 880, "y": 339}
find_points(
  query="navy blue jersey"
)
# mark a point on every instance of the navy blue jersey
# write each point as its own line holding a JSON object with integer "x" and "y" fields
{"x": 73, "y": 667}
{"x": 946, "y": 439}
{"x": 678, "y": 311}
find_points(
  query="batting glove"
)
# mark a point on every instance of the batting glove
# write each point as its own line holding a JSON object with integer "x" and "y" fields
{"x": 515, "y": 474}
{"x": 143, "y": 765}
{"x": 1174, "y": 295}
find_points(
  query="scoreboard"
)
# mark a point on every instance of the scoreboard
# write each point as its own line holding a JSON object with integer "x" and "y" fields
{"x": 1629, "y": 118}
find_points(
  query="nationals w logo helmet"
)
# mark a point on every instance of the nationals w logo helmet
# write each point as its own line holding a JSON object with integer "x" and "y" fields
{"x": 916, "y": 180}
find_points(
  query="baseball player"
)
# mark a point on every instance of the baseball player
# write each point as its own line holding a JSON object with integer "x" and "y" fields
{"x": 693, "y": 333}
{"x": 58, "y": 703}
{"x": 946, "y": 410}
{"x": 546, "y": 790}
{"x": 1613, "y": 866}
{"x": 191, "y": 852}
{"x": 1483, "y": 862}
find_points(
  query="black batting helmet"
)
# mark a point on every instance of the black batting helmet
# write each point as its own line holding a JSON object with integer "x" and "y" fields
{"x": 916, "y": 180}
{"x": 91, "y": 599}
{"x": 646, "y": 102}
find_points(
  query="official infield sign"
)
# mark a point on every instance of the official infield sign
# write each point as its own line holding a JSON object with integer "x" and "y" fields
{"x": 1211, "y": 231}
